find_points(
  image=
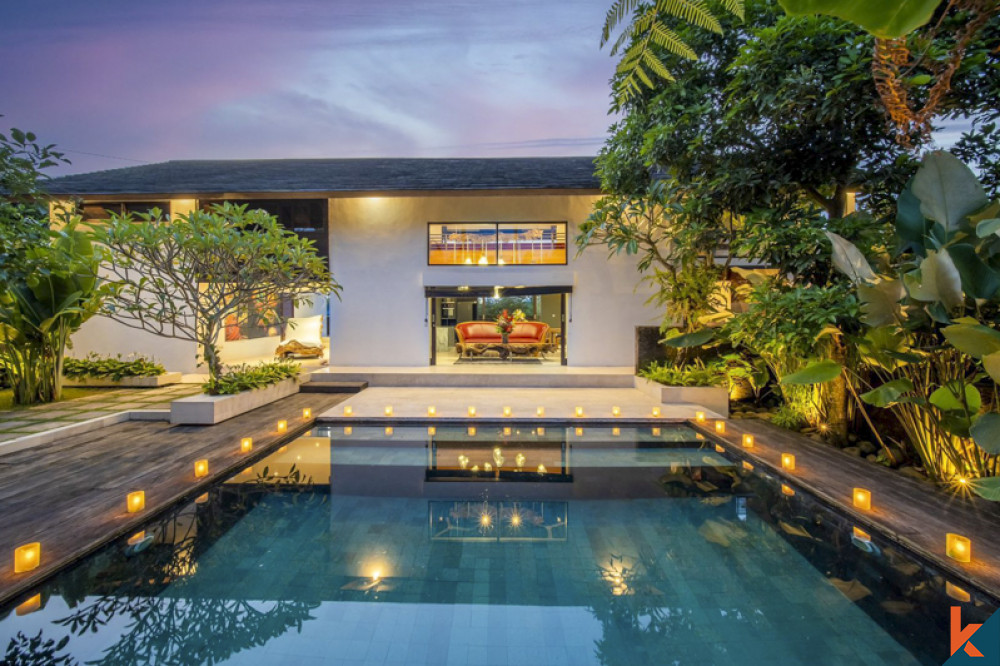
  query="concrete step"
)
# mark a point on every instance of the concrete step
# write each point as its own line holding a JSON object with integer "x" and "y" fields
{"x": 534, "y": 378}
{"x": 314, "y": 386}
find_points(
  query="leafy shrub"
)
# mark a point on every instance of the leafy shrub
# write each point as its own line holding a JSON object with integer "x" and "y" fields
{"x": 697, "y": 373}
{"x": 117, "y": 368}
{"x": 788, "y": 417}
{"x": 248, "y": 377}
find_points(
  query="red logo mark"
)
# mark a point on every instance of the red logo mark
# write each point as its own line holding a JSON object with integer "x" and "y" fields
{"x": 960, "y": 635}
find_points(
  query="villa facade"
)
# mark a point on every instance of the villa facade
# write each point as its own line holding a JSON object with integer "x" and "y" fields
{"x": 419, "y": 245}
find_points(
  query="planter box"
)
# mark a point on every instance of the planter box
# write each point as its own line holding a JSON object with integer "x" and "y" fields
{"x": 713, "y": 398}
{"x": 165, "y": 379}
{"x": 212, "y": 409}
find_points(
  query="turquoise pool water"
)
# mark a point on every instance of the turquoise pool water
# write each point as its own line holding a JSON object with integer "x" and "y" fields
{"x": 490, "y": 547}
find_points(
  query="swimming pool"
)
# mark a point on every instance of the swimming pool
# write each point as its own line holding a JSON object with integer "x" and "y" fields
{"x": 494, "y": 545}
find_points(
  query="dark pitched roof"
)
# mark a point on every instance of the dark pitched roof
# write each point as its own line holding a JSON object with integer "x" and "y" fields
{"x": 335, "y": 175}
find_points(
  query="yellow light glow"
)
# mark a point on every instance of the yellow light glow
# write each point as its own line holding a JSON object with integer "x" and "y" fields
{"x": 485, "y": 520}
{"x": 747, "y": 466}
{"x": 540, "y": 431}
{"x": 863, "y": 499}
{"x": 507, "y": 431}
{"x": 860, "y": 534}
{"x": 957, "y": 593}
{"x": 487, "y": 467}
{"x": 616, "y": 411}
{"x": 539, "y": 411}
{"x": 720, "y": 427}
{"x": 388, "y": 410}
{"x": 578, "y": 411}
{"x": 388, "y": 431}
{"x": 472, "y": 410}
{"x": 431, "y": 431}
{"x": 245, "y": 472}
{"x": 463, "y": 461}
{"x": 201, "y": 499}
{"x": 541, "y": 469}
{"x": 719, "y": 448}
{"x": 246, "y": 444}
{"x": 748, "y": 441}
{"x": 282, "y": 425}
{"x": 519, "y": 460}
{"x": 787, "y": 490}
{"x": 307, "y": 413}
{"x": 200, "y": 468}
{"x": 788, "y": 461}
{"x": 507, "y": 411}
{"x": 376, "y": 575}
{"x": 348, "y": 410}
{"x": 136, "y": 538}
{"x": 656, "y": 412}
{"x": 515, "y": 520}
{"x": 30, "y": 605}
{"x": 483, "y": 260}
{"x": 136, "y": 501}
{"x": 700, "y": 417}
{"x": 615, "y": 432}
{"x": 656, "y": 432}
{"x": 579, "y": 432}
{"x": 348, "y": 431}
{"x": 432, "y": 411}
{"x": 27, "y": 557}
{"x": 958, "y": 547}
{"x": 471, "y": 431}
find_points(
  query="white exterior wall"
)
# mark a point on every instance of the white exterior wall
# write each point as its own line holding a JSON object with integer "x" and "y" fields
{"x": 378, "y": 252}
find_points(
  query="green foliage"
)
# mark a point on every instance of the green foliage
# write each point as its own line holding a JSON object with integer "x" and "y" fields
{"x": 648, "y": 36}
{"x": 248, "y": 377}
{"x": 187, "y": 276}
{"x": 884, "y": 18}
{"x": 106, "y": 367}
{"x": 818, "y": 372}
{"x": 788, "y": 417}
{"x": 697, "y": 373}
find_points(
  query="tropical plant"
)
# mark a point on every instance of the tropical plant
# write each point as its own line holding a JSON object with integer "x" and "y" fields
{"x": 188, "y": 276}
{"x": 789, "y": 418}
{"x": 648, "y": 35}
{"x": 932, "y": 343}
{"x": 696, "y": 373}
{"x": 114, "y": 368}
{"x": 249, "y": 377}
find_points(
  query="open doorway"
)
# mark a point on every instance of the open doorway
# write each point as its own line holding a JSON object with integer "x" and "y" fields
{"x": 463, "y": 325}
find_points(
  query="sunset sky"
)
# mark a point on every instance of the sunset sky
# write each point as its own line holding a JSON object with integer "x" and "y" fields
{"x": 122, "y": 82}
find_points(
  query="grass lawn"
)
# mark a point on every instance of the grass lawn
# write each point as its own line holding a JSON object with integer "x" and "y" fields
{"x": 7, "y": 396}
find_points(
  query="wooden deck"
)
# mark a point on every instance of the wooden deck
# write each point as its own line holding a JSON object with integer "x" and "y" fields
{"x": 915, "y": 514}
{"x": 70, "y": 495}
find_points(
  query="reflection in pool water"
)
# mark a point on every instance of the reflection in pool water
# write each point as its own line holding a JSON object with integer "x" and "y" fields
{"x": 355, "y": 549}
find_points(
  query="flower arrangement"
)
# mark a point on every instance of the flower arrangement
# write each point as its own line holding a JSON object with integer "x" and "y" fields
{"x": 506, "y": 321}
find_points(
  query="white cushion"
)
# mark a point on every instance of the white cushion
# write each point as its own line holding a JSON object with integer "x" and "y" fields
{"x": 305, "y": 330}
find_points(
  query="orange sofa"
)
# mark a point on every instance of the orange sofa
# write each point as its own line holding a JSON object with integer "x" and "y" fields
{"x": 475, "y": 337}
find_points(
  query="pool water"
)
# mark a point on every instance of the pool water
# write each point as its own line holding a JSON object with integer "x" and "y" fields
{"x": 494, "y": 546}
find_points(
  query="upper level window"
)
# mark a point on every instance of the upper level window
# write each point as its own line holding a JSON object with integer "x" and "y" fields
{"x": 496, "y": 244}
{"x": 95, "y": 211}
{"x": 306, "y": 217}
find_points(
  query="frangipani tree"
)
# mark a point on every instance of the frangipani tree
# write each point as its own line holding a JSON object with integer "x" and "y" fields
{"x": 189, "y": 276}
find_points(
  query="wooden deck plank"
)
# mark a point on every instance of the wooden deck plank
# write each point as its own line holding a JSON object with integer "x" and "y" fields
{"x": 913, "y": 513}
{"x": 70, "y": 495}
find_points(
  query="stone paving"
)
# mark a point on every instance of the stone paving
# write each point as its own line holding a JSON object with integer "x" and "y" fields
{"x": 17, "y": 423}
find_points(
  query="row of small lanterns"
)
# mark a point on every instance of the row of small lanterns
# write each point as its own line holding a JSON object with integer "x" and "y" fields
{"x": 508, "y": 412}
{"x": 29, "y": 556}
{"x": 957, "y": 547}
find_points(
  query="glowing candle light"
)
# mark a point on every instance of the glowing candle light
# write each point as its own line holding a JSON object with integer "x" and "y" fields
{"x": 863, "y": 499}
{"x": 472, "y": 431}
{"x": 541, "y": 469}
{"x": 719, "y": 448}
{"x": 388, "y": 410}
{"x": 348, "y": 431}
{"x": 787, "y": 490}
{"x": 136, "y": 502}
{"x": 958, "y": 547}
{"x": 656, "y": 432}
{"x": 27, "y": 557}
{"x": 720, "y": 427}
{"x": 432, "y": 411}
{"x": 656, "y": 412}
{"x": 957, "y": 593}
{"x": 748, "y": 441}
{"x": 540, "y": 411}
{"x": 348, "y": 410}
{"x": 431, "y": 430}
{"x": 282, "y": 425}
{"x": 579, "y": 432}
{"x": 200, "y": 468}
{"x": 246, "y": 444}
{"x": 507, "y": 411}
{"x": 29, "y": 606}
{"x": 578, "y": 411}
{"x": 307, "y": 413}
{"x": 540, "y": 431}
{"x": 860, "y": 534}
{"x": 615, "y": 432}
{"x": 747, "y": 466}
{"x": 507, "y": 431}
{"x": 788, "y": 461}
{"x": 472, "y": 410}
{"x": 700, "y": 417}
{"x": 201, "y": 499}
{"x": 136, "y": 538}
{"x": 388, "y": 431}
{"x": 616, "y": 411}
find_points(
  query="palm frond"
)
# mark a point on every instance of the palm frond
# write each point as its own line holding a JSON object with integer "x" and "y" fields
{"x": 694, "y": 12}
{"x": 734, "y": 7}
{"x": 667, "y": 39}
{"x": 616, "y": 14}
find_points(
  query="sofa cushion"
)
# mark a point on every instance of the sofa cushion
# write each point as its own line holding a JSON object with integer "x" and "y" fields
{"x": 528, "y": 331}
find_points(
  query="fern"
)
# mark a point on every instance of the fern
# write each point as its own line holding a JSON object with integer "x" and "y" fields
{"x": 649, "y": 35}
